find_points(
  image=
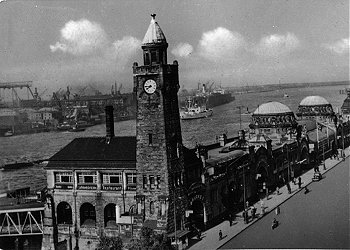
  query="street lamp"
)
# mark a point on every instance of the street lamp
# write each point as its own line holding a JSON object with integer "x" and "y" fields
{"x": 131, "y": 222}
{"x": 240, "y": 116}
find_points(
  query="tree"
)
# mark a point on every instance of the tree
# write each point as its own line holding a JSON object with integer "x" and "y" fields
{"x": 110, "y": 243}
{"x": 149, "y": 240}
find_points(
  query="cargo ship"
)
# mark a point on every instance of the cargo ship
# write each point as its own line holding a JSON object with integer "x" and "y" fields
{"x": 208, "y": 97}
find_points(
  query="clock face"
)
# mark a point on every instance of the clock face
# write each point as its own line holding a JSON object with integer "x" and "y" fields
{"x": 150, "y": 86}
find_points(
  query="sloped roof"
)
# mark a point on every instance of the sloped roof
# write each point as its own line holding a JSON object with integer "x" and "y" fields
{"x": 259, "y": 138}
{"x": 154, "y": 33}
{"x": 96, "y": 149}
{"x": 313, "y": 101}
{"x": 272, "y": 108}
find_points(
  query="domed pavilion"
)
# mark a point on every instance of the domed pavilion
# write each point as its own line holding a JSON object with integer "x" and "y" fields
{"x": 273, "y": 118}
{"x": 313, "y": 106}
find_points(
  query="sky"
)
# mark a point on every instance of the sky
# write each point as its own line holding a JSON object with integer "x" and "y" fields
{"x": 58, "y": 43}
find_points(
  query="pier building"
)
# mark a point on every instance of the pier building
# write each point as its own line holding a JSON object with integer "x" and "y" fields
{"x": 112, "y": 186}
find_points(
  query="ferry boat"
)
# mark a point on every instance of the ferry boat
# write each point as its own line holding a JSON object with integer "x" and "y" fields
{"x": 195, "y": 112}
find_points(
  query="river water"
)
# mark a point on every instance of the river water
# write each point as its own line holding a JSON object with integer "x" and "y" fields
{"x": 226, "y": 118}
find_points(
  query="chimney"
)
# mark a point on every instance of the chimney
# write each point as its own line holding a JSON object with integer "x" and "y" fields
{"x": 222, "y": 140}
{"x": 109, "y": 122}
{"x": 241, "y": 135}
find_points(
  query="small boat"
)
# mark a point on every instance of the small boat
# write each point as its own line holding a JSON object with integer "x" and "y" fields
{"x": 195, "y": 112}
{"x": 64, "y": 126}
{"x": 285, "y": 95}
{"x": 76, "y": 129}
{"x": 8, "y": 133}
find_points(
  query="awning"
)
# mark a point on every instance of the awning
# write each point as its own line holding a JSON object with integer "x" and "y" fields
{"x": 179, "y": 233}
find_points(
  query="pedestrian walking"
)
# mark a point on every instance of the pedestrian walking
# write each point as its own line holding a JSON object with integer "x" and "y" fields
{"x": 277, "y": 210}
{"x": 277, "y": 190}
{"x": 299, "y": 182}
{"x": 199, "y": 234}
{"x": 289, "y": 189}
{"x": 253, "y": 212}
{"x": 292, "y": 176}
{"x": 262, "y": 207}
{"x": 230, "y": 219}
{"x": 220, "y": 235}
{"x": 274, "y": 223}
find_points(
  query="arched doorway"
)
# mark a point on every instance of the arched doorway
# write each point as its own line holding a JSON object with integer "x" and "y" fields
{"x": 109, "y": 215}
{"x": 197, "y": 218}
{"x": 87, "y": 215}
{"x": 64, "y": 213}
{"x": 261, "y": 177}
{"x": 304, "y": 158}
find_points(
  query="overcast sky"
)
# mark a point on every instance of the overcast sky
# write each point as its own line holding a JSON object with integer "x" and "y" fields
{"x": 58, "y": 43}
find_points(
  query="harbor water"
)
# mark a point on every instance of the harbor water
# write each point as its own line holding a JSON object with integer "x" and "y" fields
{"x": 225, "y": 119}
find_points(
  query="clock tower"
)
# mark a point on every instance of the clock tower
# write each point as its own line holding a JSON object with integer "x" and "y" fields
{"x": 160, "y": 197}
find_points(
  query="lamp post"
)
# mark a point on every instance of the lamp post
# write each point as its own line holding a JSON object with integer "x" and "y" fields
{"x": 240, "y": 116}
{"x": 131, "y": 221}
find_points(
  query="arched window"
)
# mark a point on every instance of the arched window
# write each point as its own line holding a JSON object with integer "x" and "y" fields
{"x": 87, "y": 215}
{"x": 109, "y": 215}
{"x": 64, "y": 213}
{"x": 151, "y": 207}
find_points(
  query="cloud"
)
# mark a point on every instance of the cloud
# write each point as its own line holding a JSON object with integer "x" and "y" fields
{"x": 122, "y": 49}
{"x": 339, "y": 47}
{"x": 182, "y": 50}
{"x": 80, "y": 37}
{"x": 219, "y": 44}
{"x": 276, "y": 45}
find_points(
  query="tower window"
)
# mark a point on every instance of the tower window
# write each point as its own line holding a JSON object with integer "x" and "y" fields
{"x": 158, "y": 182}
{"x": 154, "y": 57}
{"x": 147, "y": 61}
{"x": 151, "y": 181}
{"x": 151, "y": 207}
{"x": 144, "y": 181}
{"x": 150, "y": 139}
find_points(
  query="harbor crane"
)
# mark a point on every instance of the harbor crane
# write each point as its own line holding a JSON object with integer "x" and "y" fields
{"x": 15, "y": 85}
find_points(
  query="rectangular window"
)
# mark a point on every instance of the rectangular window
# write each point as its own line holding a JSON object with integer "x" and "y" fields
{"x": 158, "y": 182}
{"x": 64, "y": 177}
{"x": 131, "y": 178}
{"x": 151, "y": 181}
{"x": 87, "y": 177}
{"x": 112, "y": 178}
{"x": 150, "y": 141}
{"x": 145, "y": 182}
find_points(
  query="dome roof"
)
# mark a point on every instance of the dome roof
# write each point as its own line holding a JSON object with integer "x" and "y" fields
{"x": 154, "y": 33}
{"x": 313, "y": 101}
{"x": 272, "y": 108}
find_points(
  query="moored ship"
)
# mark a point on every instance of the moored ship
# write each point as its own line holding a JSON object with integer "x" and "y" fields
{"x": 211, "y": 98}
{"x": 195, "y": 112}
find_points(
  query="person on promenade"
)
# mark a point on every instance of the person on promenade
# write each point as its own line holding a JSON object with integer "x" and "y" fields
{"x": 292, "y": 176}
{"x": 277, "y": 210}
{"x": 299, "y": 182}
{"x": 274, "y": 223}
{"x": 262, "y": 207}
{"x": 220, "y": 235}
{"x": 253, "y": 212}
{"x": 230, "y": 219}
{"x": 277, "y": 190}
{"x": 288, "y": 187}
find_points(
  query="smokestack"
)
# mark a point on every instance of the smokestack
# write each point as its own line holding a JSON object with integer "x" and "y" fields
{"x": 109, "y": 122}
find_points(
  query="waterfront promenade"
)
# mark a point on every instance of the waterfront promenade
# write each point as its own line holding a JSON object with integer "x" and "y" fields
{"x": 210, "y": 238}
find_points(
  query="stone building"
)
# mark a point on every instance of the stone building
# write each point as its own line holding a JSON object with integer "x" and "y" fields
{"x": 115, "y": 185}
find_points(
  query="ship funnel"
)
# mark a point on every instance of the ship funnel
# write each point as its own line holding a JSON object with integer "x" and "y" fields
{"x": 109, "y": 122}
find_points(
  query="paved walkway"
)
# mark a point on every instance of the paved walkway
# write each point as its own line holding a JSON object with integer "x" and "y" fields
{"x": 210, "y": 238}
